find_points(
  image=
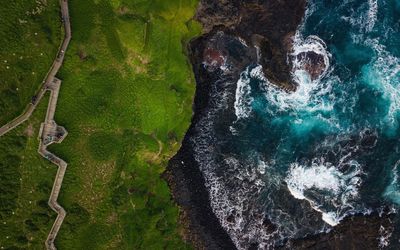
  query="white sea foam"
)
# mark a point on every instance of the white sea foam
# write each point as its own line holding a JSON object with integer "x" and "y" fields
{"x": 336, "y": 189}
{"x": 243, "y": 99}
{"x": 310, "y": 44}
{"x": 238, "y": 203}
{"x": 318, "y": 176}
{"x": 363, "y": 18}
{"x": 385, "y": 234}
{"x": 371, "y": 14}
{"x": 309, "y": 92}
{"x": 233, "y": 200}
{"x": 262, "y": 166}
{"x": 383, "y": 73}
{"x": 243, "y": 42}
{"x": 307, "y": 97}
{"x": 393, "y": 189}
{"x": 331, "y": 218}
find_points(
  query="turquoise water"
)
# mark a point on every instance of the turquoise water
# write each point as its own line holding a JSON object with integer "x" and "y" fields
{"x": 337, "y": 140}
{"x": 362, "y": 88}
{"x": 306, "y": 160}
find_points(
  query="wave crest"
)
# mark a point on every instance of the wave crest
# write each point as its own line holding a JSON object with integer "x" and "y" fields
{"x": 328, "y": 190}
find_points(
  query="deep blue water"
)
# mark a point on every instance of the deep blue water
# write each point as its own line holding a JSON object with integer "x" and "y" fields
{"x": 306, "y": 160}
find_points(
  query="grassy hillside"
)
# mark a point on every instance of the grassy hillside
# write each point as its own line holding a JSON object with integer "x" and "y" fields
{"x": 30, "y": 33}
{"x": 126, "y": 101}
{"x": 26, "y": 180}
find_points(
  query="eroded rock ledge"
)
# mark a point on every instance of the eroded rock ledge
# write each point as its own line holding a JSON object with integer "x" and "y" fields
{"x": 267, "y": 26}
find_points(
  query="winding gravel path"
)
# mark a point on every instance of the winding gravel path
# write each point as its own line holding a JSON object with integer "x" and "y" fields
{"x": 50, "y": 132}
{"x": 57, "y": 63}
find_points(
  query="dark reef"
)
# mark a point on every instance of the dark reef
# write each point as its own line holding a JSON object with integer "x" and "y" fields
{"x": 185, "y": 179}
{"x": 356, "y": 232}
{"x": 266, "y": 27}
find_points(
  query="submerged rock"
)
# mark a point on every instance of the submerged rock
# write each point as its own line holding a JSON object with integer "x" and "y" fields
{"x": 312, "y": 63}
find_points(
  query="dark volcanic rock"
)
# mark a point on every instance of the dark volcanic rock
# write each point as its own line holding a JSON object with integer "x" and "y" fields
{"x": 357, "y": 232}
{"x": 211, "y": 13}
{"x": 184, "y": 177}
{"x": 267, "y": 25}
{"x": 223, "y": 51}
{"x": 311, "y": 62}
{"x": 201, "y": 226}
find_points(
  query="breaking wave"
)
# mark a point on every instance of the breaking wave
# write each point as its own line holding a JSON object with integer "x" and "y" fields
{"x": 243, "y": 100}
{"x": 392, "y": 191}
{"x": 371, "y": 14}
{"x": 383, "y": 74}
{"x": 312, "y": 44}
{"x": 309, "y": 93}
{"x": 328, "y": 190}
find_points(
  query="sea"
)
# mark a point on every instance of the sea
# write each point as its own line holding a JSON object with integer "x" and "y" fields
{"x": 292, "y": 164}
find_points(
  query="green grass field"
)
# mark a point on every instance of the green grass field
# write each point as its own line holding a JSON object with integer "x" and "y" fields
{"x": 126, "y": 101}
{"x": 30, "y": 33}
{"x": 26, "y": 180}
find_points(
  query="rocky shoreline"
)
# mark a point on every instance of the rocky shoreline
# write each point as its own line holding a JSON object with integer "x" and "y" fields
{"x": 201, "y": 226}
{"x": 265, "y": 29}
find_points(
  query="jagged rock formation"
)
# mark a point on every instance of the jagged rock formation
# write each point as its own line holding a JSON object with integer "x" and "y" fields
{"x": 267, "y": 26}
